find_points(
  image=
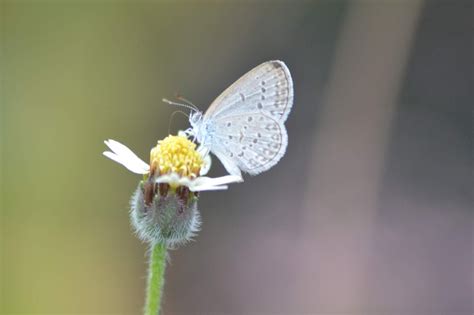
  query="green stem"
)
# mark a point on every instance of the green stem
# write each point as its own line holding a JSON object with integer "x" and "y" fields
{"x": 156, "y": 279}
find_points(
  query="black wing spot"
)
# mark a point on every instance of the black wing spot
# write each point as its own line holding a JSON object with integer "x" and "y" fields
{"x": 273, "y": 145}
{"x": 271, "y": 126}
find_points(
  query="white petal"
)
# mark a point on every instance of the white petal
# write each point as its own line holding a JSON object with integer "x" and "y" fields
{"x": 203, "y": 150}
{"x": 205, "y": 188}
{"x": 123, "y": 155}
{"x": 206, "y": 156}
{"x": 133, "y": 167}
{"x": 200, "y": 183}
{"x": 123, "y": 151}
{"x": 207, "y": 183}
{"x": 206, "y": 166}
{"x": 174, "y": 178}
{"x": 218, "y": 180}
{"x": 130, "y": 161}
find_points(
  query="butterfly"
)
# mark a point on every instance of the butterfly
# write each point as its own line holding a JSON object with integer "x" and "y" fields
{"x": 244, "y": 126}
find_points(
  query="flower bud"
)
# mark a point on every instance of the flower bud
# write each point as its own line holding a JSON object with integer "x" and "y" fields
{"x": 163, "y": 214}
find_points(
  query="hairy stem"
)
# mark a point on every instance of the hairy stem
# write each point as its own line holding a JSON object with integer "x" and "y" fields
{"x": 156, "y": 280}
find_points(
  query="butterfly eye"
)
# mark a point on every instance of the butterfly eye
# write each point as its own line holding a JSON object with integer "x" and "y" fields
{"x": 195, "y": 117}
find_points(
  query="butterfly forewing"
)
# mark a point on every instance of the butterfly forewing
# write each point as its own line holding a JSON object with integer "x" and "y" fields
{"x": 254, "y": 141}
{"x": 267, "y": 89}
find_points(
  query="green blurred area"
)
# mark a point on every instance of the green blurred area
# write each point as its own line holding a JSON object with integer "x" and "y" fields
{"x": 75, "y": 74}
{"x": 70, "y": 81}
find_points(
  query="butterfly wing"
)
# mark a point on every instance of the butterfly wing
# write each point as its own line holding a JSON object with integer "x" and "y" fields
{"x": 267, "y": 89}
{"x": 245, "y": 124}
{"x": 251, "y": 142}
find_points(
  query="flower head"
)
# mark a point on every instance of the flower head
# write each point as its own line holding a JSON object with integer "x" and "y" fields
{"x": 164, "y": 205}
{"x": 176, "y": 154}
{"x": 175, "y": 161}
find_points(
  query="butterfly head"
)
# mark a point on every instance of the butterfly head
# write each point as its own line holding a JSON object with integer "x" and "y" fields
{"x": 195, "y": 119}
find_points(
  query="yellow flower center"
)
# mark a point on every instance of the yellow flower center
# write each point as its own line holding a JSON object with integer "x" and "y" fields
{"x": 175, "y": 154}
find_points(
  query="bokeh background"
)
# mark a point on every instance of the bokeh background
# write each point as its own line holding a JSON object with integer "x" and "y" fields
{"x": 369, "y": 212}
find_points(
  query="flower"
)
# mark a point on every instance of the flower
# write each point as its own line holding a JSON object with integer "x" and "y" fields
{"x": 164, "y": 205}
{"x": 176, "y": 154}
{"x": 176, "y": 161}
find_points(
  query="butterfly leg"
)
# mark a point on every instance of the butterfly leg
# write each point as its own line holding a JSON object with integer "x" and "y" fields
{"x": 188, "y": 132}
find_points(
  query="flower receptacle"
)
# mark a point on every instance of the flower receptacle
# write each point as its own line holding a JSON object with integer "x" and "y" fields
{"x": 166, "y": 214}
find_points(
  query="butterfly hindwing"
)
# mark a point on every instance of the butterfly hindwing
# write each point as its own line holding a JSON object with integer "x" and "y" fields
{"x": 254, "y": 141}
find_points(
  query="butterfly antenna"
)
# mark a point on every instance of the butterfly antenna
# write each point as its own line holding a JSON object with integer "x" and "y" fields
{"x": 181, "y": 98}
{"x": 172, "y": 116}
{"x": 194, "y": 108}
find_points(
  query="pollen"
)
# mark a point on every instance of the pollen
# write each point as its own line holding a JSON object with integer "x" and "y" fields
{"x": 175, "y": 154}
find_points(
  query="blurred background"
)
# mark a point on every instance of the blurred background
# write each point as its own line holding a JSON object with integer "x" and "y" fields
{"x": 369, "y": 212}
